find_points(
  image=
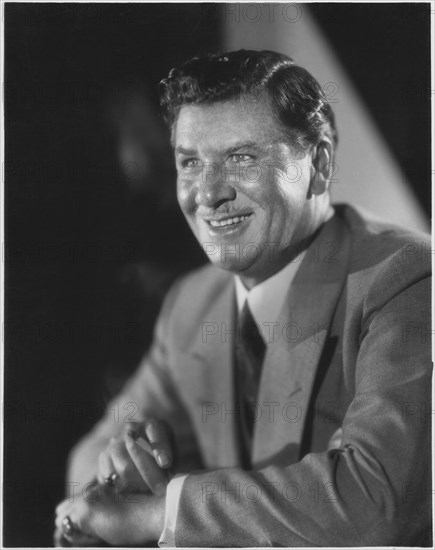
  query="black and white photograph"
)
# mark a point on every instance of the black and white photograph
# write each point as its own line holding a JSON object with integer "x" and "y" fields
{"x": 216, "y": 274}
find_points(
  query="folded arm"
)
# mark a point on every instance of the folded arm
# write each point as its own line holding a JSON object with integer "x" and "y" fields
{"x": 372, "y": 490}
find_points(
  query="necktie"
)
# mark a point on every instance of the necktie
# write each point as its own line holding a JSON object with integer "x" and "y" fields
{"x": 250, "y": 350}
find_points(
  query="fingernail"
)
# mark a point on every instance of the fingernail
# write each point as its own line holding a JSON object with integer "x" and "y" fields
{"x": 163, "y": 459}
{"x": 134, "y": 435}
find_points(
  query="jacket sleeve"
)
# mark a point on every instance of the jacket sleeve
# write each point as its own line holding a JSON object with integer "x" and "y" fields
{"x": 375, "y": 488}
{"x": 150, "y": 391}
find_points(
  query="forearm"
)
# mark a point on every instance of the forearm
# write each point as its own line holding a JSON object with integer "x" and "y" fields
{"x": 335, "y": 499}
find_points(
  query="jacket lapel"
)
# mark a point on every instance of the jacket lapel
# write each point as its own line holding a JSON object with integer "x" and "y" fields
{"x": 293, "y": 355}
{"x": 209, "y": 366}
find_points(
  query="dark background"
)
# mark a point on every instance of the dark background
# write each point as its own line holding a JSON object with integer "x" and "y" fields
{"x": 93, "y": 233}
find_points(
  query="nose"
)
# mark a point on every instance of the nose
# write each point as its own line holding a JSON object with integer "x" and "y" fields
{"x": 213, "y": 191}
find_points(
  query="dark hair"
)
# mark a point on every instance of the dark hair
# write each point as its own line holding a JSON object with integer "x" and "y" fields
{"x": 296, "y": 96}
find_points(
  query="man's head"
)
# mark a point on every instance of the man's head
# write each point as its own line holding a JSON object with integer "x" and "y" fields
{"x": 254, "y": 137}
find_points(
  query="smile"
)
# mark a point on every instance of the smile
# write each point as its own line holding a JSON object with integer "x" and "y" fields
{"x": 228, "y": 221}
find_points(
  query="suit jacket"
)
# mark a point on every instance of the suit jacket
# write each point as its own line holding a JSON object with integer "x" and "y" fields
{"x": 341, "y": 447}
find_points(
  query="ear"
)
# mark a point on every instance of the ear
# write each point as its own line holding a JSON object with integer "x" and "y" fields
{"x": 321, "y": 169}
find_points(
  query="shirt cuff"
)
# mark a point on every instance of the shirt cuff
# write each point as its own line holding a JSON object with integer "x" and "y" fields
{"x": 173, "y": 493}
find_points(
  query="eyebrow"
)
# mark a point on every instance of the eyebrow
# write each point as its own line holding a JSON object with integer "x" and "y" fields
{"x": 183, "y": 151}
{"x": 241, "y": 145}
{"x": 235, "y": 147}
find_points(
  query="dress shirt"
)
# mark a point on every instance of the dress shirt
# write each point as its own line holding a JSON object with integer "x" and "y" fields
{"x": 265, "y": 302}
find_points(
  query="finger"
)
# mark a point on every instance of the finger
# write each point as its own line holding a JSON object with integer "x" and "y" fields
{"x": 155, "y": 478}
{"x": 62, "y": 514}
{"x": 106, "y": 468}
{"x": 75, "y": 539}
{"x": 80, "y": 515}
{"x": 62, "y": 506}
{"x": 125, "y": 468}
{"x": 158, "y": 434}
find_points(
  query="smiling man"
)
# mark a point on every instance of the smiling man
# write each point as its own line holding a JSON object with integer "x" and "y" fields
{"x": 295, "y": 378}
{"x": 243, "y": 185}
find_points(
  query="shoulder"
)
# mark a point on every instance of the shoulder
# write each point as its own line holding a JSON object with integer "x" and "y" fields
{"x": 193, "y": 293}
{"x": 374, "y": 240}
{"x": 384, "y": 259}
{"x": 204, "y": 283}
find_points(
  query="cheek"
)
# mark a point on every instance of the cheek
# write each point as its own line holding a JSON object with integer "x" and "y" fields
{"x": 186, "y": 195}
{"x": 291, "y": 187}
{"x": 285, "y": 202}
{"x": 256, "y": 186}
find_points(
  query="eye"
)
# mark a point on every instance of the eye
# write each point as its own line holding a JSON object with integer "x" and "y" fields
{"x": 190, "y": 163}
{"x": 240, "y": 157}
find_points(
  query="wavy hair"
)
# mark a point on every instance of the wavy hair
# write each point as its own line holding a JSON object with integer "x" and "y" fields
{"x": 296, "y": 96}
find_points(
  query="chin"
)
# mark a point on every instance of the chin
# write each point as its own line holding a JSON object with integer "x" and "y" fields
{"x": 234, "y": 266}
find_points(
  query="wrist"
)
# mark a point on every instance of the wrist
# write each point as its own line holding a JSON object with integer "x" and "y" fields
{"x": 147, "y": 520}
{"x": 158, "y": 515}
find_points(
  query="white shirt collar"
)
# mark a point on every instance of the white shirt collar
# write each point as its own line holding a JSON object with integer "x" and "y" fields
{"x": 266, "y": 299}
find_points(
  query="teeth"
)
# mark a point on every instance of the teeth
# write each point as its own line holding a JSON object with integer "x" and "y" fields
{"x": 229, "y": 221}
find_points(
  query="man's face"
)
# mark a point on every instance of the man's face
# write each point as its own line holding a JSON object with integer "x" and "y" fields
{"x": 243, "y": 189}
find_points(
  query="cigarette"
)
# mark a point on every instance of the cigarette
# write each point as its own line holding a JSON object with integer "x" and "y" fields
{"x": 139, "y": 440}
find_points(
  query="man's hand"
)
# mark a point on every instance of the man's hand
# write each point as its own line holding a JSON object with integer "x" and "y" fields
{"x": 107, "y": 516}
{"x": 126, "y": 465}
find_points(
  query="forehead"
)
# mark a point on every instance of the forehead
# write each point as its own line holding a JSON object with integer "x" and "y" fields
{"x": 220, "y": 124}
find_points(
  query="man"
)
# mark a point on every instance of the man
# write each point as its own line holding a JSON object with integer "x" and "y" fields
{"x": 313, "y": 430}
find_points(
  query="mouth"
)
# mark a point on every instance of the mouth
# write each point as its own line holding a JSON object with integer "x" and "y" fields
{"x": 227, "y": 222}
